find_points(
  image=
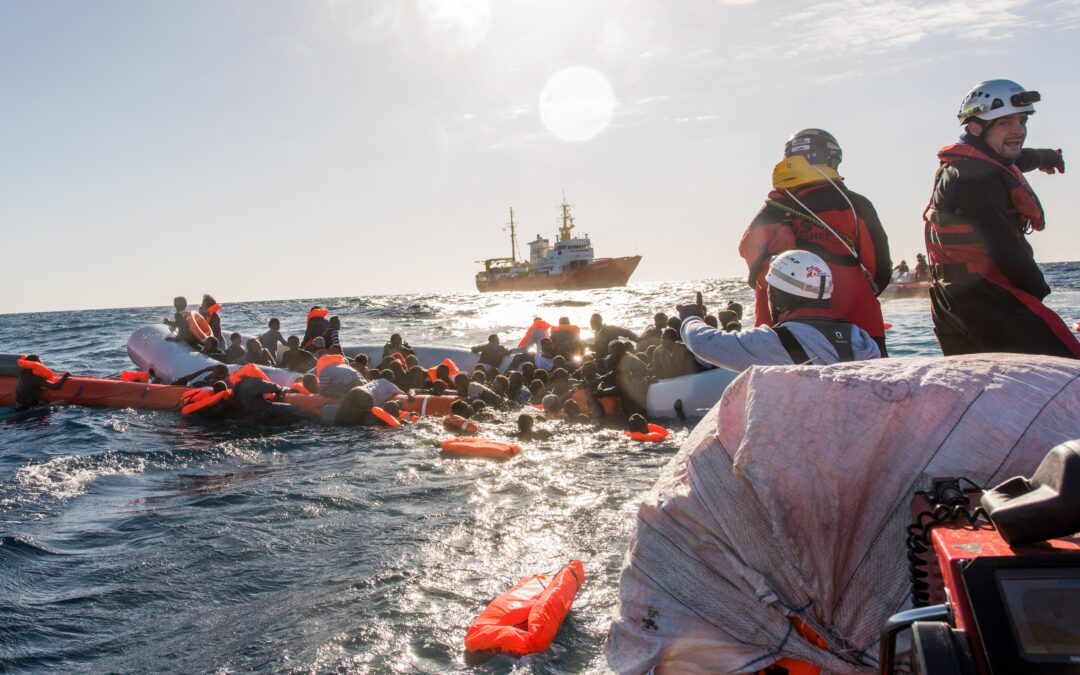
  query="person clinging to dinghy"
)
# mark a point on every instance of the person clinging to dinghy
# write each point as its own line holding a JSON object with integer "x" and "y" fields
{"x": 811, "y": 208}
{"x": 988, "y": 291}
{"x": 273, "y": 337}
{"x": 604, "y": 333}
{"x": 33, "y": 378}
{"x": 491, "y": 353}
{"x": 216, "y": 373}
{"x": 801, "y": 330}
{"x": 179, "y": 324}
{"x": 209, "y": 310}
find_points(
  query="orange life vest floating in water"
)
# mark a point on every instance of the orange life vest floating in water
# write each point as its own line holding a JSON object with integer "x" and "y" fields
{"x": 478, "y": 447}
{"x": 198, "y": 325}
{"x": 526, "y": 618}
{"x": 386, "y": 418}
{"x": 426, "y": 404}
{"x": 134, "y": 376}
{"x": 36, "y": 368}
{"x": 460, "y": 424}
{"x": 655, "y": 434}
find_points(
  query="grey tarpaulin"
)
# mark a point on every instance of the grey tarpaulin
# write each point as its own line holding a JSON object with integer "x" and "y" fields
{"x": 792, "y": 495}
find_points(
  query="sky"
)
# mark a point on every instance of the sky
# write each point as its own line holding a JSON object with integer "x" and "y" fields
{"x": 261, "y": 149}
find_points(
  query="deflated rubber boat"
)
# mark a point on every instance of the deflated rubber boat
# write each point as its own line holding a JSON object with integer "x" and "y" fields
{"x": 784, "y": 515}
{"x": 148, "y": 348}
{"x": 93, "y": 391}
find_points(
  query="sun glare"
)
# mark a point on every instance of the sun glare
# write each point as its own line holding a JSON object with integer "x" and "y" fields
{"x": 577, "y": 103}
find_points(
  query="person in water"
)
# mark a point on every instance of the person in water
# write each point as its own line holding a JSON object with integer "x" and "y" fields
{"x": 812, "y": 209}
{"x": 491, "y": 353}
{"x": 801, "y": 331}
{"x": 988, "y": 291}
{"x": 209, "y": 310}
{"x": 527, "y": 430}
{"x": 272, "y": 337}
{"x": 250, "y": 401}
{"x": 217, "y": 373}
{"x": 29, "y": 385}
{"x": 605, "y": 333}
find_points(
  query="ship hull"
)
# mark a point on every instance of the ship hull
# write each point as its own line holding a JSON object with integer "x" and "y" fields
{"x": 601, "y": 273}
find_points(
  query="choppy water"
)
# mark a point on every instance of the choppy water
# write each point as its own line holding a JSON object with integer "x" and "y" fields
{"x": 140, "y": 541}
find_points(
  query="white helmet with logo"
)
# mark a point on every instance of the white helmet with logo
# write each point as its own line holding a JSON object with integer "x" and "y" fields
{"x": 996, "y": 98}
{"x": 802, "y": 274}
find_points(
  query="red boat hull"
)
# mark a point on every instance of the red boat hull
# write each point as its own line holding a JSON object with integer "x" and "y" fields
{"x": 601, "y": 273}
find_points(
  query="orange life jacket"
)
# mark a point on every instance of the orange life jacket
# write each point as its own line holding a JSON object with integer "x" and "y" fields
{"x": 408, "y": 417}
{"x": 540, "y": 325}
{"x": 248, "y": 370}
{"x": 400, "y": 359}
{"x": 450, "y": 365}
{"x": 198, "y": 325}
{"x": 213, "y": 309}
{"x": 461, "y": 424}
{"x": 204, "y": 399}
{"x": 479, "y": 447}
{"x": 328, "y": 360}
{"x": 299, "y": 388}
{"x": 36, "y": 368}
{"x": 386, "y": 417}
{"x": 317, "y": 312}
{"x": 134, "y": 376}
{"x": 655, "y": 434}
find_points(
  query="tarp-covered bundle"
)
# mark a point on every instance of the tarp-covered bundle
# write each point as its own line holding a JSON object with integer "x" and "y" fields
{"x": 791, "y": 499}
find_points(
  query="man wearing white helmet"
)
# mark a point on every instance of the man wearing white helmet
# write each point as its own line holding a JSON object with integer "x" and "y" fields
{"x": 802, "y": 332}
{"x": 987, "y": 291}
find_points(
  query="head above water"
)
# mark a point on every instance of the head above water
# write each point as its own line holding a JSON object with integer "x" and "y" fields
{"x": 525, "y": 422}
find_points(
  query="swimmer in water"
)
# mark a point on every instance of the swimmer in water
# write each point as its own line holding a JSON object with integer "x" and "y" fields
{"x": 526, "y": 429}
{"x": 218, "y": 373}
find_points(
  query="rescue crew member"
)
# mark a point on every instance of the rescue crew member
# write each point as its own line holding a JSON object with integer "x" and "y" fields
{"x": 30, "y": 383}
{"x": 812, "y": 209}
{"x": 987, "y": 291}
{"x": 801, "y": 330}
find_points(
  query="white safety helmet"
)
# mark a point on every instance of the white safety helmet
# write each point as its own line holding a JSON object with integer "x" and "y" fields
{"x": 802, "y": 274}
{"x": 996, "y": 98}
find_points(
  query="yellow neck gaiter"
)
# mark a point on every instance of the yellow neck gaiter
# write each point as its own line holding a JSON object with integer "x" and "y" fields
{"x": 794, "y": 171}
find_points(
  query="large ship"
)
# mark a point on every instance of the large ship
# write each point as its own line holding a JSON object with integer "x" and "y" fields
{"x": 568, "y": 265}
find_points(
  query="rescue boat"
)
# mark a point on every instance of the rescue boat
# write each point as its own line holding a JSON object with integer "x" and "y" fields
{"x": 526, "y": 618}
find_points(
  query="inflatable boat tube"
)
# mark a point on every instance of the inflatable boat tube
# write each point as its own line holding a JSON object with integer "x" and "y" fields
{"x": 93, "y": 391}
{"x": 479, "y": 447}
{"x": 426, "y": 404}
{"x": 525, "y": 619}
{"x": 698, "y": 392}
{"x": 148, "y": 349}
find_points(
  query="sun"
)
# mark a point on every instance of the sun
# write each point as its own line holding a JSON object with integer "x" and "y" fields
{"x": 577, "y": 103}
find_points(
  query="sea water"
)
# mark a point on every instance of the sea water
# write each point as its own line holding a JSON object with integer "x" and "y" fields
{"x": 141, "y": 541}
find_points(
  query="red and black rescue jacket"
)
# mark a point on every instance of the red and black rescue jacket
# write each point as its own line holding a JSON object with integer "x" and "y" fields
{"x": 775, "y": 230}
{"x": 979, "y": 213}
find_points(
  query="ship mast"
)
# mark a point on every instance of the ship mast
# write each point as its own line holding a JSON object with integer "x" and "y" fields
{"x": 567, "y": 220}
{"x": 513, "y": 237}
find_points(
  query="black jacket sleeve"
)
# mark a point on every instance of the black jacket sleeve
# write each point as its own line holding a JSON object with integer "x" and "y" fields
{"x": 982, "y": 199}
{"x": 1037, "y": 158}
{"x": 882, "y": 260}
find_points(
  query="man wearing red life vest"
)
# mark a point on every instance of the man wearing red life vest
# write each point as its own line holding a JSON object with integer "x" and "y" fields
{"x": 812, "y": 209}
{"x": 987, "y": 291}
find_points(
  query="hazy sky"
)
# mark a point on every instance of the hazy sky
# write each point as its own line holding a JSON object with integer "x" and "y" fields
{"x": 265, "y": 149}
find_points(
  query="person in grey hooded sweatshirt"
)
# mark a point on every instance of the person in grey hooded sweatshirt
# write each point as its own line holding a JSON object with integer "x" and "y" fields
{"x": 804, "y": 331}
